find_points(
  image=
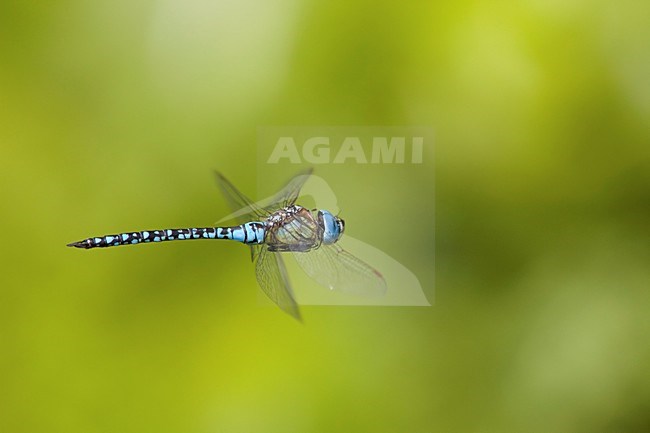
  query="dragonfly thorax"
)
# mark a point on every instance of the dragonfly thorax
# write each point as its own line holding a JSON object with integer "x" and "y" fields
{"x": 282, "y": 216}
{"x": 295, "y": 228}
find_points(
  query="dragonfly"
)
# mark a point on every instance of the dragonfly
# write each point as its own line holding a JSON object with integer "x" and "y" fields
{"x": 282, "y": 227}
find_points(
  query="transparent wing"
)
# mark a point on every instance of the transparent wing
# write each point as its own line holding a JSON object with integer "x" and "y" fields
{"x": 246, "y": 210}
{"x": 290, "y": 193}
{"x": 272, "y": 278}
{"x": 241, "y": 205}
{"x": 333, "y": 267}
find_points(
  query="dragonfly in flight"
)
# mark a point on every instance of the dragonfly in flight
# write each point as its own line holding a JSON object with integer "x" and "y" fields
{"x": 311, "y": 236}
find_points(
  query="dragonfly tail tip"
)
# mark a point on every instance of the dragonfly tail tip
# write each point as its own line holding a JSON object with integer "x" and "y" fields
{"x": 78, "y": 244}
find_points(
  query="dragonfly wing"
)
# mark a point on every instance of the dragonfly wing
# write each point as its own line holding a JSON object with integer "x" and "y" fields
{"x": 246, "y": 210}
{"x": 241, "y": 205}
{"x": 274, "y": 281}
{"x": 333, "y": 267}
{"x": 290, "y": 193}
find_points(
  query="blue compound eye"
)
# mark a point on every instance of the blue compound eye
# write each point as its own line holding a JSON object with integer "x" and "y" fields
{"x": 331, "y": 225}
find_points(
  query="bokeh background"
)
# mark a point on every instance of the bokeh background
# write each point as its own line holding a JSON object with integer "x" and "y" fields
{"x": 113, "y": 114}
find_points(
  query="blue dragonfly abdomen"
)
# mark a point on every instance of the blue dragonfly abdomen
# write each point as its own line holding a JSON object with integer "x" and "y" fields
{"x": 251, "y": 233}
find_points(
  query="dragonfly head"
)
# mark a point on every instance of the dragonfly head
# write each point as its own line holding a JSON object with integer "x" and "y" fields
{"x": 333, "y": 226}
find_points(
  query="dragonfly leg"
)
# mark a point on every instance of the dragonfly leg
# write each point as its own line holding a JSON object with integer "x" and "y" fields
{"x": 280, "y": 248}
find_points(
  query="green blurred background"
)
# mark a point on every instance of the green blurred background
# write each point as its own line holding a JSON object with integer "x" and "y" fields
{"x": 113, "y": 114}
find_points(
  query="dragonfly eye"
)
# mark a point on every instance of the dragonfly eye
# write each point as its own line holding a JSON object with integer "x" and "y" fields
{"x": 331, "y": 225}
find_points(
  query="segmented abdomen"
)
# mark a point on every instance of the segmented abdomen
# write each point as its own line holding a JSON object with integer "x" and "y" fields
{"x": 249, "y": 233}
